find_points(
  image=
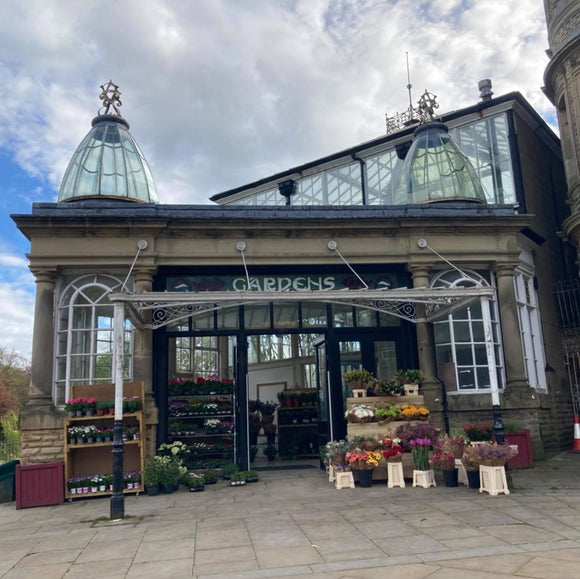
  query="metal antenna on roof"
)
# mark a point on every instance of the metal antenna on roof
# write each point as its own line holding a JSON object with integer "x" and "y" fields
{"x": 409, "y": 87}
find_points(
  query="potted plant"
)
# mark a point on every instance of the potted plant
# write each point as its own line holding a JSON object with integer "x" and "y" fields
{"x": 390, "y": 387}
{"x": 228, "y": 469}
{"x": 270, "y": 452}
{"x": 386, "y": 413}
{"x": 169, "y": 473}
{"x": 478, "y": 432}
{"x": 251, "y": 476}
{"x": 195, "y": 482}
{"x": 358, "y": 379}
{"x": 151, "y": 476}
{"x": 363, "y": 461}
{"x": 238, "y": 479}
{"x": 210, "y": 476}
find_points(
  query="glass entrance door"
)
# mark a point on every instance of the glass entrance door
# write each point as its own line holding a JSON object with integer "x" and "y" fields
{"x": 325, "y": 423}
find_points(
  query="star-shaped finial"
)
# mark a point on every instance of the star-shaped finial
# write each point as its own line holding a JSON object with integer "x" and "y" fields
{"x": 111, "y": 97}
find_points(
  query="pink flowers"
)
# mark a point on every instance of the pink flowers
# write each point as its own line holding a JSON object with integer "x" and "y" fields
{"x": 420, "y": 442}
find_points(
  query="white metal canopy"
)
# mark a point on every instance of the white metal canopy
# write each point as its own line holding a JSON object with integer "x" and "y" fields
{"x": 171, "y": 307}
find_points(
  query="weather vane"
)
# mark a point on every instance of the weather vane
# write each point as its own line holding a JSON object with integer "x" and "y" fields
{"x": 111, "y": 97}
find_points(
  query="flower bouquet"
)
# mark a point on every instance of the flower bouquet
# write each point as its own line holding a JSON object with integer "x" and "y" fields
{"x": 393, "y": 450}
{"x": 359, "y": 414}
{"x": 420, "y": 448}
{"x": 478, "y": 432}
{"x": 493, "y": 454}
{"x": 364, "y": 461}
{"x": 451, "y": 445}
{"x": 408, "y": 432}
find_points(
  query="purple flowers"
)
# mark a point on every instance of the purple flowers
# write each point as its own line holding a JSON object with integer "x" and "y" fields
{"x": 420, "y": 442}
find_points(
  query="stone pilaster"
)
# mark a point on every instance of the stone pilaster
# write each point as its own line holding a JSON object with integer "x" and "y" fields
{"x": 430, "y": 388}
{"x": 512, "y": 343}
{"x": 143, "y": 359}
{"x": 39, "y": 415}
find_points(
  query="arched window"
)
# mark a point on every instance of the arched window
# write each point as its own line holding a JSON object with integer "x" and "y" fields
{"x": 460, "y": 339}
{"x": 84, "y": 341}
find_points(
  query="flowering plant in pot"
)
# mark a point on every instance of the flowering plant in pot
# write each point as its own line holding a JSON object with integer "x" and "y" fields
{"x": 360, "y": 414}
{"x": 386, "y": 413}
{"x": 228, "y": 469}
{"x": 251, "y": 476}
{"x": 175, "y": 449}
{"x": 210, "y": 476}
{"x": 388, "y": 388}
{"x": 478, "y": 432}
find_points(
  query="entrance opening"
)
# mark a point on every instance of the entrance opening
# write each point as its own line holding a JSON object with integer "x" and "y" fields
{"x": 201, "y": 399}
{"x": 283, "y": 417}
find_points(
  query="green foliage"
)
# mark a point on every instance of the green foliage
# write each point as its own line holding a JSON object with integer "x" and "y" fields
{"x": 151, "y": 473}
{"x": 15, "y": 375}
{"x": 357, "y": 375}
{"x": 210, "y": 476}
{"x": 229, "y": 468}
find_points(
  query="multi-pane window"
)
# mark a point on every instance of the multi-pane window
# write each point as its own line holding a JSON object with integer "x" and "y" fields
{"x": 196, "y": 355}
{"x": 530, "y": 328}
{"x": 460, "y": 338}
{"x": 486, "y": 145}
{"x": 485, "y": 142}
{"x": 84, "y": 343}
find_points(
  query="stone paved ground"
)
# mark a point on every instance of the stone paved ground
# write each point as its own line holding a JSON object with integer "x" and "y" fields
{"x": 296, "y": 524}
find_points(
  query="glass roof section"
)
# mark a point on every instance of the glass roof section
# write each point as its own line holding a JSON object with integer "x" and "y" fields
{"x": 436, "y": 170}
{"x": 108, "y": 164}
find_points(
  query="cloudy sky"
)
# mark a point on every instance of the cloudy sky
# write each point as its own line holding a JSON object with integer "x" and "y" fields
{"x": 222, "y": 92}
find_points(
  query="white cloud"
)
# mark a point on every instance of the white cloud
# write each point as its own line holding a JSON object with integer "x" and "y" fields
{"x": 224, "y": 92}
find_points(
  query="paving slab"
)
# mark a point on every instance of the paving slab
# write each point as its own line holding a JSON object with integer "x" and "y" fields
{"x": 163, "y": 550}
{"x": 171, "y": 569}
{"x": 271, "y": 557}
{"x": 504, "y": 564}
{"x": 111, "y": 569}
{"x": 54, "y": 571}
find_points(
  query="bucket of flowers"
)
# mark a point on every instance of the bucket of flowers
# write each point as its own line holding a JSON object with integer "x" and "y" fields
{"x": 195, "y": 482}
{"x": 363, "y": 461}
{"x": 393, "y": 450}
{"x": 470, "y": 461}
{"x": 493, "y": 454}
{"x": 422, "y": 474}
{"x": 445, "y": 462}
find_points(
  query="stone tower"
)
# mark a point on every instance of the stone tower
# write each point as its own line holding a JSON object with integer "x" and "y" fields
{"x": 562, "y": 87}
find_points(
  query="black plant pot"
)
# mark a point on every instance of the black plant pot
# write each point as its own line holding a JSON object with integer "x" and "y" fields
{"x": 473, "y": 479}
{"x": 451, "y": 477}
{"x": 152, "y": 491}
{"x": 365, "y": 478}
{"x": 166, "y": 489}
{"x": 253, "y": 438}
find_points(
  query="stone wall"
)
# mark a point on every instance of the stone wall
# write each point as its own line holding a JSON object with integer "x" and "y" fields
{"x": 42, "y": 445}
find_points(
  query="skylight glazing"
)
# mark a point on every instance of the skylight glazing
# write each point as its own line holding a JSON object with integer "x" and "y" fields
{"x": 108, "y": 163}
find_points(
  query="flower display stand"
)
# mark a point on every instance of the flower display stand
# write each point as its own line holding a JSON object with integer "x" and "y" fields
{"x": 359, "y": 393}
{"x": 424, "y": 478}
{"x": 331, "y": 473}
{"x": 395, "y": 475}
{"x": 492, "y": 480}
{"x": 344, "y": 480}
{"x": 462, "y": 473}
{"x": 411, "y": 389}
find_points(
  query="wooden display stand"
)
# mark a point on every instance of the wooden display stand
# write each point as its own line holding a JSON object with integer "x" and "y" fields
{"x": 395, "y": 476}
{"x": 492, "y": 480}
{"x": 97, "y": 457}
{"x": 377, "y": 430}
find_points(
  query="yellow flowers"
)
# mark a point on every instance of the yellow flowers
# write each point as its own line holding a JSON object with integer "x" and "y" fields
{"x": 410, "y": 412}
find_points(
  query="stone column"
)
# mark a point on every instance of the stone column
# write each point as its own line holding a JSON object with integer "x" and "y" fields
{"x": 512, "y": 343}
{"x": 143, "y": 358}
{"x": 40, "y": 424}
{"x": 430, "y": 388}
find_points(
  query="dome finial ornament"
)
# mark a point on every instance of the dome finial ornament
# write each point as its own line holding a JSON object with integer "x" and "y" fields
{"x": 426, "y": 106}
{"x": 111, "y": 97}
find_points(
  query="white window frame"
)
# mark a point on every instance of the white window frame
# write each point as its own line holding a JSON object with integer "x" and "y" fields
{"x": 530, "y": 323}
{"x": 66, "y": 307}
{"x": 471, "y": 278}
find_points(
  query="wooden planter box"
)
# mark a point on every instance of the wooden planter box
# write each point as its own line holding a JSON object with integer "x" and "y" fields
{"x": 524, "y": 458}
{"x": 39, "y": 485}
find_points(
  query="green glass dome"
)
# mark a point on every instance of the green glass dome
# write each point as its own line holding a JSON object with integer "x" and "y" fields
{"x": 108, "y": 164}
{"x": 436, "y": 170}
